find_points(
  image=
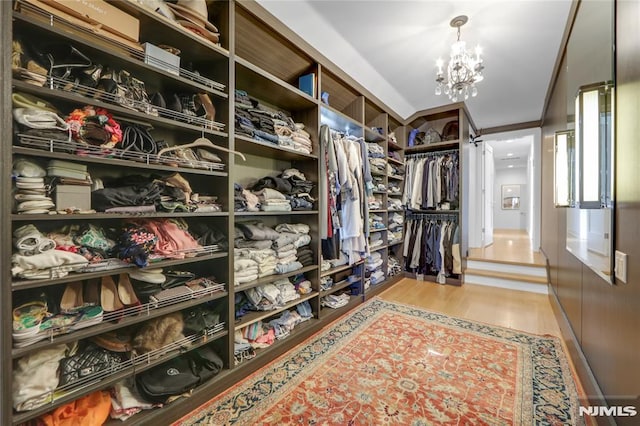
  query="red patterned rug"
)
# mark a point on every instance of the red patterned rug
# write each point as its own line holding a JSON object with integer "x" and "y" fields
{"x": 392, "y": 364}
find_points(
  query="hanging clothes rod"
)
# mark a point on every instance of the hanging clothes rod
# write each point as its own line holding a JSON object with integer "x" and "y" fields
{"x": 432, "y": 216}
{"x": 432, "y": 153}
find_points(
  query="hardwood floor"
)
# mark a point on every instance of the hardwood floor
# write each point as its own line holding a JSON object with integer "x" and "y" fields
{"x": 512, "y": 245}
{"x": 519, "y": 310}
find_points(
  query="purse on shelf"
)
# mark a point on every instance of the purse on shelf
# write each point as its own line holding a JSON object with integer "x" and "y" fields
{"x": 84, "y": 364}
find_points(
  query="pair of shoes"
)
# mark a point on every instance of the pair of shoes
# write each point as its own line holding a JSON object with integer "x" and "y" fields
{"x": 72, "y": 298}
{"x": 115, "y": 297}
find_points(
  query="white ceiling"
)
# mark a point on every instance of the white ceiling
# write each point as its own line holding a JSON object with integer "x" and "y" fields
{"x": 511, "y": 152}
{"x": 391, "y": 46}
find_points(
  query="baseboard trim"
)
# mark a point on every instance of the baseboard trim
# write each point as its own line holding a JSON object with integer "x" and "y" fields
{"x": 580, "y": 364}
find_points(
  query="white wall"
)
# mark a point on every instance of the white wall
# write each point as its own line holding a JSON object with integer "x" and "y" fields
{"x": 510, "y": 219}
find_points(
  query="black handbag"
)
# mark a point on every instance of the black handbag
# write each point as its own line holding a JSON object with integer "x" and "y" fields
{"x": 173, "y": 377}
{"x": 179, "y": 375}
{"x": 199, "y": 319}
{"x": 89, "y": 362}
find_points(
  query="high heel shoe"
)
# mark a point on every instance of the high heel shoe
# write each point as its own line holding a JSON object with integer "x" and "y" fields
{"x": 210, "y": 109}
{"x": 109, "y": 299}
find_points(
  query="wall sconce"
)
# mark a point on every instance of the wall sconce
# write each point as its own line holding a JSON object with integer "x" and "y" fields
{"x": 564, "y": 169}
{"x": 594, "y": 145}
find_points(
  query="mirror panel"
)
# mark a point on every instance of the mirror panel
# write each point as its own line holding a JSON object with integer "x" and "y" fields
{"x": 590, "y": 65}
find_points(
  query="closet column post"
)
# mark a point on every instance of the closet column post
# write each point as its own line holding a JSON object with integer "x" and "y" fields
{"x": 5, "y": 198}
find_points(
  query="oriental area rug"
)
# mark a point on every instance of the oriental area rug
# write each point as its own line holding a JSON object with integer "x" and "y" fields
{"x": 392, "y": 364}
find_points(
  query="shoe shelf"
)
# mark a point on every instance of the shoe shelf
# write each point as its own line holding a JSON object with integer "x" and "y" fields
{"x": 255, "y": 316}
{"x": 129, "y": 368}
{"x": 283, "y": 213}
{"x": 49, "y": 148}
{"x": 75, "y": 276}
{"x": 258, "y": 148}
{"x": 132, "y": 60}
{"x": 271, "y": 278}
{"x": 267, "y": 87}
{"x": 122, "y": 318}
{"x": 178, "y": 120}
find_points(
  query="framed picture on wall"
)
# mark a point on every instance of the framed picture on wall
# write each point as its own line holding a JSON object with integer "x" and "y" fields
{"x": 510, "y": 197}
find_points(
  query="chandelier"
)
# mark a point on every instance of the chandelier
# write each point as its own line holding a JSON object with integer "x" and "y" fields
{"x": 463, "y": 71}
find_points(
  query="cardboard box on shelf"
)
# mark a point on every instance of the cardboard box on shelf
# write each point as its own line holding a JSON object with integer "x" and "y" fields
{"x": 99, "y": 12}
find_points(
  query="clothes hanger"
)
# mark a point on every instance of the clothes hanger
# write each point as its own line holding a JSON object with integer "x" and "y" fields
{"x": 203, "y": 143}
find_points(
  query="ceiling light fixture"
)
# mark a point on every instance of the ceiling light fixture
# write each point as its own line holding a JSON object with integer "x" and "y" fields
{"x": 464, "y": 69}
{"x": 509, "y": 154}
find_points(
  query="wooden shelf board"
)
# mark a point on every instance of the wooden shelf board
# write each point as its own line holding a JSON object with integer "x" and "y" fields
{"x": 436, "y": 146}
{"x": 253, "y": 317}
{"x": 250, "y": 146}
{"x": 26, "y": 284}
{"x": 339, "y": 269}
{"x": 284, "y": 213}
{"x": 271, "y": 278}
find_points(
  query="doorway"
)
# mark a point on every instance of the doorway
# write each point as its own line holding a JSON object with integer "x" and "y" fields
{"x": 507, "y": 160}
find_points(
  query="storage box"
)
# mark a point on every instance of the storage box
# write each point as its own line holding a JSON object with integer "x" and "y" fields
{"x": 99, "y": 12}
{"x": 76, "y": 196}
{"x": 160, "y": 58}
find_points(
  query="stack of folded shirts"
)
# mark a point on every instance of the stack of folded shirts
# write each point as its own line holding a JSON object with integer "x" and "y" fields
{"x": 283, "y": 325}
{"x": 394, "y": 189}
{"x": 305, "y": 256}
{"x": 326, "y": 283}
{"x": 31, "y": 194}
{"x": 394, "y": 236}
{"x": 374, "y": 150}
{"x": 377, "y": 277}
{"x": 287, "y": 291}
{"x": 242, "y": 99}
{"x": 264, "y": 298}
{"x": 266, "y": 259}
{"x": 375, "y": 203}
{"x": 373, "y": 262}
{"x": 394, "y": 170}
{"x": 335, "y": 301}
{"x": 393, "y": 266}
{"x": 376, "y": 222}
{"x": 378, "y": 166}
{"x": 245, "y": 270}
{"x": 239, "y": 199}
{"x": 272, "y": 200}
{"x": 375, "y": 240}
{"x": 394, "y": 204}
{"x": 206, "y": 203}
{"x": 302, "y": 284}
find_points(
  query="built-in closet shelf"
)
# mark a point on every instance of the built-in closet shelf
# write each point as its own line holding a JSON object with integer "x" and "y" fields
{"x": 373, "y": 136}
{"x": 395, "y": 211}
{"x": 111, "y": 379}
{"x": 394, "y": 243}
{"x": 337, "y": 286}
{"x": 340, "y": 269}
{"x": 394, "y": 161}
{"x": 393, "y": 146}
{"x": 395, "y": 177}
{"x": 253, "y": 317}
{"x": 379, "y": 192}
{"x": 378, "y": 211}
{"x": 339, "y": 121}
{"x": 250, "y": 146}
{"x": 107, "y": 216}
{"x": 161, "y": 30}
{"x": 107, "y": 326}
{"x": 271, "y": 278}
{"x": 379, "y": 248}
{"x": 283, "y": 213}
{"x": 75, "y": 276}
{"x": 329, "y": 314}
{"x": 262, "y": 85}
{"x": 138, "y": 68}
{"x": 376, "y": 289}
{"x": 371, "y": 230}
{"x": 435, "y": 146}
{"x": 116, "y": 110}
{"x": 113, "y": 162}
{"x": 301, "y": 328}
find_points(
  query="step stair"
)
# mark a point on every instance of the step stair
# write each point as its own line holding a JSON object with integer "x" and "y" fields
{"x": 506, "y": 274}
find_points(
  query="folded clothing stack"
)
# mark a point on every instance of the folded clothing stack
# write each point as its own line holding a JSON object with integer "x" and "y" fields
{"x": 378, "y": 166}
{"x": 376, "y": 221}
{"x": 394, "y": 204}
{"x": 292, "y": 184}
{"x": 393, "y": 266}
{"x": 305, "y": 256}
{"x": 31, "y": 194}
{"x": 378, "y": 183}
{"x": 394, "y": 189}
{"x": 373, "y": 268}
{"x": 374, "y": 150}
{"x": 326, "y": 283}
{"x": 375, "y": 203}
{"x": 375, "y": 240}
{"x": 272, "y": 200}
{"x": 302, "y": 284}
{"x": 335, "y": 301}
{"x": 395, "y": 170}
{"x": 72, "y": 185}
